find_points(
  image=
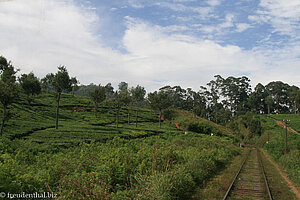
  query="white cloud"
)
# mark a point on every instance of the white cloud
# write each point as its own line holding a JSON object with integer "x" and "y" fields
{"x": 180, "y": 59}
{"x": 39, "y": 35}
{"x": 240, "y": 27}
{"x": 219, "y": 29}
{"x": 198, "y": 11}
{"x": 214, "y": 2}
{"x": 228, "y": 21}
{"x": 283, "y": 15}
{"x": 55, "y": 32}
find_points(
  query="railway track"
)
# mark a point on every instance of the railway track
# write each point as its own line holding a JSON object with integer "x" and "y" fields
{"x": 250, "y": 182}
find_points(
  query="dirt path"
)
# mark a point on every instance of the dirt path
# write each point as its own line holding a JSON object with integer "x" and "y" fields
{"x": 283, "y": 175}
{"x": 280, "y": 123}
{"x": 176, "y": 124}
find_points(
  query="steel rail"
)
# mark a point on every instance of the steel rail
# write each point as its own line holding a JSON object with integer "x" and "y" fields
{"x": 265, "y": 178}
{"x": 231, "y": 185}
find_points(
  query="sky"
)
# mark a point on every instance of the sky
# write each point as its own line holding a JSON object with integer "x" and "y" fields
{"x": 154, "y": 43}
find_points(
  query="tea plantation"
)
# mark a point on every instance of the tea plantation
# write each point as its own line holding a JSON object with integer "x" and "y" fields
{"x": 87, "y": 157}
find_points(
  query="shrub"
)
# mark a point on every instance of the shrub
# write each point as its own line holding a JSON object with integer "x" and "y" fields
{"x": 203, "y": 128}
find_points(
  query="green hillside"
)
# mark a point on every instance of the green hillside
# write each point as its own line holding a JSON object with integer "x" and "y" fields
{"x": 88, "y": 157}
{"x": 185, "y": 119}
{"x": 276, "y": 146}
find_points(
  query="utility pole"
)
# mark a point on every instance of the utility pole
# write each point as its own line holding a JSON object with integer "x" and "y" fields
{"x": 286, "y": 123}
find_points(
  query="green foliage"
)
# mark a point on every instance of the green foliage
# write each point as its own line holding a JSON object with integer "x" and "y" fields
{"x": 276, "y": 146}
{"x": 252, "y": 122}
{"x": 122, "y": 98}
{"x": 258, "y": 99}
{"x": 62, "y": 81}
{"x": 88, "y": 158}
{"x": 188, "y": 120}
{"x": 157, "y": 167}
{"x": 47, "y": 81}
{"x": 85, "y": 90}
{"x": 270, "y": 103}
{"x": 9, "y": 90}
{"x": 247, "y": 126}
{"x": 30, "y": 85}
{"x": 280, "y": 97}
{"x": 123, "y": 86}
{"x": 169, "y": 114}
{"x": 203, "y": 128}
{"x": 98, "y": 95}
{"x": 74, "y": 84}
{"x": 159, "y": 100}
{"x": 138, "y": 94}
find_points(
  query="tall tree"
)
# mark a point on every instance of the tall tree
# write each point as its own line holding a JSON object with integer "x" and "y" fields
{"x": 98, "y": 95}
{"x": 178, "y": 95}
{"x": 138, "y": 95}
{"x": 159, "y": 101}
{"x": 8, "y": 88}
{"x": 109, "y": 90}
{"x": 257, "y": 99}
{"x": 61, "y": 82}
{"x": 122, "y": 98}
{"x": 123, "y": 85}
{"x": 47, "y": 82}
{"x": 279, "y": 93}
{"x": 30, "y": 85}
{"x": 197, "y": 103}
{"x": 270, "y": 103}
{"x": 294, "y": 98}
{"x": 213, "y": 94}
{"x": 236, "y": 91}
{"x": 74, "y": 84}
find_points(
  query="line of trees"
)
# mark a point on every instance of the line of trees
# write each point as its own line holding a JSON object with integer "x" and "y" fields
{"x": 223, "y": 98}
{"x": 219, "y": 100}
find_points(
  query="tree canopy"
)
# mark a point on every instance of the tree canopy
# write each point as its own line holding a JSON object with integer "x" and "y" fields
{"x": 9, "y": 90}
{"x": 30, "y": 85}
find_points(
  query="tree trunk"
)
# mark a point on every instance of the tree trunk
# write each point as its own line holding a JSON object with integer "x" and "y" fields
{"x": 268, "y": 109}
{"x": 136, "y": 117}
{"x": 57, "y": 110}
{"x": 3, "y": 120}
{"x": 96, "y": 110}
{"x": 160, "y": 113}
{"x": 29, "y": 100}
{"x": 117, "y": 118}
{"x": 128, "y": 116}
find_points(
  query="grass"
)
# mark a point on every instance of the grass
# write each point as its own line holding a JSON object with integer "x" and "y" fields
{"x": 278, "y": 187}
{"x": 276, "y": 146}
{"x": 216, "y": 187}
{"x": 294, "y": 120}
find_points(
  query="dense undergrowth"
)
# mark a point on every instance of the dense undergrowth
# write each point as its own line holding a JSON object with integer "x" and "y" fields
{"x": 89, "y": 158}
{"x": 276, "y": 144}
{"x": 158, "y": 167}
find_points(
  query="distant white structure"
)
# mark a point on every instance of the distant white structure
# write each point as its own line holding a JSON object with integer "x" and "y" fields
{"x": 185, "y": 133}
{"x": 211, "y": 134}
